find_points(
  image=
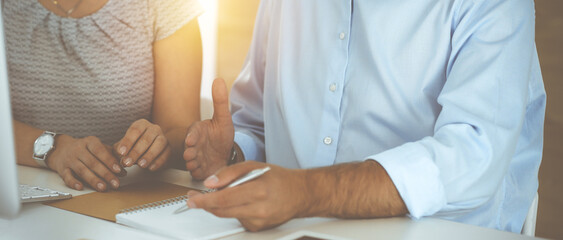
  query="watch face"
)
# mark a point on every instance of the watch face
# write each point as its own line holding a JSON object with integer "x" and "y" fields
{"x": 43, "y": 144}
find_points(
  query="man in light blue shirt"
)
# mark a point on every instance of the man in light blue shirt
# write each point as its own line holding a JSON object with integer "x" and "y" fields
{"x": 379, "y": 108}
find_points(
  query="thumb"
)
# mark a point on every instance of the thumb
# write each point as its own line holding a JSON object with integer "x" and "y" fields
{"x": 220, "y": 100}
{"x": 116, "y": 150}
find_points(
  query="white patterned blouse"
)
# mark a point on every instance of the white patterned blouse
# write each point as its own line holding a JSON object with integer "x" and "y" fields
{"x": 90, "y": 76}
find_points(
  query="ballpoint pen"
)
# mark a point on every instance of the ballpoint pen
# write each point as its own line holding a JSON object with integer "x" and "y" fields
{"x": 249, "y": 176}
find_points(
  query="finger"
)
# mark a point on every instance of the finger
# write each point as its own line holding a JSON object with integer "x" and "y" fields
{"x": 229, "y": 174}
{"x": 100, "y": 170}
{"x": 131, "y": 136}
{"x": 192, "y": 136}
{"x": 161, "y": 159}
{"x": 192, "y": 165}
{"x": 122, "y": 172}
{"x": 247, "y": 211}
{"x": 70, "y": 180}
{"x": 142, "y": 145}
{"x": 100, "y": 151}
{"x": 229, "y": 197}
{"x": 255, "y": 224}
{"x": 94, "y": 163}
{"x": 88, "y": 176}
{"x": 190, "y": 154}
{"x": 220, "y": 101}
{"x": 198, "y": 174}
{"x": 115, "y": 147}
{"x": 154, "y": 151}
{"x": 193, "y": 193}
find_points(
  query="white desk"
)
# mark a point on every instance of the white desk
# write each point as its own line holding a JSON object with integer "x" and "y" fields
{"x": 38, "y": 221}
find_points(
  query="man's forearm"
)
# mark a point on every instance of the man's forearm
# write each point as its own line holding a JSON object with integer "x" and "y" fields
{"x": 352, "y": 190}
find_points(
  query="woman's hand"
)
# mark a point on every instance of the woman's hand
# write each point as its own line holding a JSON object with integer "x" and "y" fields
{"x": 86, "y": 159}
{"x": 144, "y": 144}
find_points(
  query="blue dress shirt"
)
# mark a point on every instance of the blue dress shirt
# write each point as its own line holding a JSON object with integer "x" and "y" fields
{"x": 446, "y": 95}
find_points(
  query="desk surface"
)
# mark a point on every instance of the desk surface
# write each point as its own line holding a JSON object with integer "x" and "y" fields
{"x": 38, "y": 221}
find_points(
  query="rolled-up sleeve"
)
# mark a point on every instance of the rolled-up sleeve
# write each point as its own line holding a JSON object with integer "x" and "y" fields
{"x": 484, "y": 104}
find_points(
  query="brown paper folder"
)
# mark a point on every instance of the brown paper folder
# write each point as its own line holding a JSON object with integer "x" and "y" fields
{"x": 105, "y": 205}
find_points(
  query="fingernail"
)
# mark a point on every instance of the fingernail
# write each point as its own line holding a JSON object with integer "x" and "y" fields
{"x": 100, "y": 186}
{"x": 211, "y": 180}
{"x": 192, "y": 193}
{"x": 122, "y": 150}
{"x": 116, "y": 168}
{"x": 114, "y": 183}
{"x": 191, "y": 204}
{"x": 77, "y": 186}
{"x": 128, "y": 162}
{"x": 143, "y": 163}
{"x": 152, "y": 168}
{"x": 187, "y": 137}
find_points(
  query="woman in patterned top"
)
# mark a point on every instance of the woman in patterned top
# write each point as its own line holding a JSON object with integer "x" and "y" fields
{"x": 118, "y": 81}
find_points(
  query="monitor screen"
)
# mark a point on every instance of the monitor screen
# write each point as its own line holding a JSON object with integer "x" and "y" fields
{"x": 9, "y": 195}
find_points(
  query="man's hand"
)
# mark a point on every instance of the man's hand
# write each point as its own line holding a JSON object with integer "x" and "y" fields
{"x": 87, "y": 159}
{"x": 144, "y": 144}
{"x": 209, "y": 142}
{"x": 347, "y": 190}
{"x": 265, "y": 202}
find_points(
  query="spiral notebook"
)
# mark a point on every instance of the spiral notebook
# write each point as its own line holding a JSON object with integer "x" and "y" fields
{"x": 159, "y": 218}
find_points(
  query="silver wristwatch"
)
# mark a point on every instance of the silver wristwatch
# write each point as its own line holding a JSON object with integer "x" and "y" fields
{"x": 233, "y": 158}
{"x": 43, "y": 145}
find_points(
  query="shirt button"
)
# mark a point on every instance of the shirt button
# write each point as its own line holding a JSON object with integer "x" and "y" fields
{"x": 327, "y": 140}
{"x": 332, "y": 87}
{"x": 342, "y": 36}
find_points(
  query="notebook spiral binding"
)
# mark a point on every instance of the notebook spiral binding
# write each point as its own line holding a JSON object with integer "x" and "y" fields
{"x": 153, "y": 205}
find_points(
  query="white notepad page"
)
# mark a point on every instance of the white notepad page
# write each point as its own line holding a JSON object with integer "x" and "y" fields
{"x": 191, "y": 224}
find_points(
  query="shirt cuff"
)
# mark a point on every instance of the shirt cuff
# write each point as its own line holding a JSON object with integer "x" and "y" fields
{"x": 249, "y": 147}
{"x": 415, "y": 176}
